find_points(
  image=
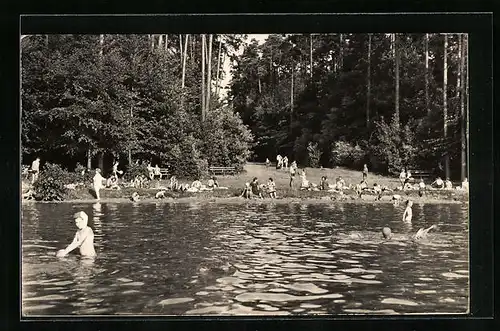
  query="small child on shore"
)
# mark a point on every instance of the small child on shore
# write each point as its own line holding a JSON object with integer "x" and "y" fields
{"x": 408, "y": 213}
{"x": 84, "y": 238}
{"x": 271, "y": 188}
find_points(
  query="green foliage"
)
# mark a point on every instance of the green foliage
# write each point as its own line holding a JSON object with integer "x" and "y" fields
{"x": 82, "y": 174}
{"x": 51, "y": 182}
{"x": 395, "y": 147}
{"x": 314, "y": 154}
{"x": 346, "y": 154}
{"x": 226, "y": 140}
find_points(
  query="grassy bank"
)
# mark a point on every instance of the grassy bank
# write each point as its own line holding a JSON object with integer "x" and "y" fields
{"x": 284, "y": 191}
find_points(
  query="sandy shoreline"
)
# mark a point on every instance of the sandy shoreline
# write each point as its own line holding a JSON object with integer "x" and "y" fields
{"x": 204, "y": 199}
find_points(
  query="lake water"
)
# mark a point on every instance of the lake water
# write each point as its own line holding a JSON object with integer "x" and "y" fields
{"x": 245, "y": 259}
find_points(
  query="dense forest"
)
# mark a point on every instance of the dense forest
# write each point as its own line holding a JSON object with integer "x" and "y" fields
{"x": 388, "y": 100}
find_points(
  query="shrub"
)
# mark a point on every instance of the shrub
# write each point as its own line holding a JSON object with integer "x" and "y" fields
{"x": 82, "y": 174}
{"x": 226, "y": 141}
{"x": 313, "y": 154}
{"x": 51, "y": 183}
{"x": 345, "y": 154}
{"x": 395, "y": 145}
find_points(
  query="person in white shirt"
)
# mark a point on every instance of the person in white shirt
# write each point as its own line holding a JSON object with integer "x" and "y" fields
{"x": 35, "y": 169}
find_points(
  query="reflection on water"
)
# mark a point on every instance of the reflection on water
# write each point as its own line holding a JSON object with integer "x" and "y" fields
{"x": 238, "y": 259}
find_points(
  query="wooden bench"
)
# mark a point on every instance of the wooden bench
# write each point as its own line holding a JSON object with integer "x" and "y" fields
{"x": 420, "y": 174}
{"x": 222, "y": 170}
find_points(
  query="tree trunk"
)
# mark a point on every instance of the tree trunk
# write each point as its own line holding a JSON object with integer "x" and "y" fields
{"x": 166, "y": 43}
{"x": 368, "y": 81}
{"x": 260, "y": 89}
{"x": 209, "y": 73}
{"x": 100, "y": 161}
{"x": 427, "y": 73}
{"x": 130, "y": 135}
{"x": 89, "y": 159}
{"x": 445, "y": 106}
{"x": 184, "y": 62}
{"x": 193, "y": 47}
{"x": 463, "y": 119}
{"x": 203, "y": 77}
{"x": 396, "y": 73}
{"x": 291, "y": 99}
{"x": 341, "y": 59}
{"x": 101, "y": 48}
{"x": 180, "y": 47}
{"x": 152, "y": 38}
{"x": 459, "y": 72}
{"x": 218, "y": 68}
{"x": 466, "y": 82}
{"x": 311, "y": 54}
{"x": 160, "y": 42}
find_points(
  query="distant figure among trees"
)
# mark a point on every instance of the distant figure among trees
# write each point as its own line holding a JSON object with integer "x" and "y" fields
{"x": 285, "y": 162}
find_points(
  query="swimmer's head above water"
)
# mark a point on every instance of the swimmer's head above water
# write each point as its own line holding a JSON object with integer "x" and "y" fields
{"x": 387, "y": 233}
{"x": 81, "y": 219}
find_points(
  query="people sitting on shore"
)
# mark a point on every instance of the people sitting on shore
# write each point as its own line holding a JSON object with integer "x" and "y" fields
{"x": 438, "y": 183}
{"x": 139, "y": 181}
{"x": 256, "y": 189}
{"x": 160, "y": 194}
{"x": 212, "y": 183}
{"x": 247, "y": 191}
{"x": 359, "y": 188}
{"x": 448, "y": 184}
{"x": 402, "y": 177}
{"x": 157, "y": 172}
{"x": 340, "y": 183}
{"x": 271, "y": 188}
{"x": 196, "y": 184}
{"x": 135, "y": 197}
{"x": 174, "y": 184}
{"x": 465, "y": 185}
{"x": 408, "y": 177}
{"x": 377, "y": 189}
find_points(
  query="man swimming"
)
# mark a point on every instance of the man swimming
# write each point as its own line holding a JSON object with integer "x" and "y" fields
{"x": 84, "y": 238}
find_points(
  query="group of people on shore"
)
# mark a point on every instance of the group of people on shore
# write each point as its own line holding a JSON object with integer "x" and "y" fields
{"x": 254, "y": 189}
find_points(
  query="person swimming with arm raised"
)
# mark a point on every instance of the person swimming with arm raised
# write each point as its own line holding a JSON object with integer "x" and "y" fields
{"x": 84, "y": 238}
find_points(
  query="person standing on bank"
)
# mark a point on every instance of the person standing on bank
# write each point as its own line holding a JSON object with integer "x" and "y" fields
{"x": 35, "y": 169}
{"x": 365, "y": 172}
{"x": 98, "y": 183}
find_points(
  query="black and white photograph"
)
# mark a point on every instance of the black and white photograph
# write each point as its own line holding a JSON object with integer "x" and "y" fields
{"x": 279, "y": 174}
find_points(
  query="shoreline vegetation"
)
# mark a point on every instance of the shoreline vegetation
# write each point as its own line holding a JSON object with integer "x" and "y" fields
{"x": 285, "y": 194}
